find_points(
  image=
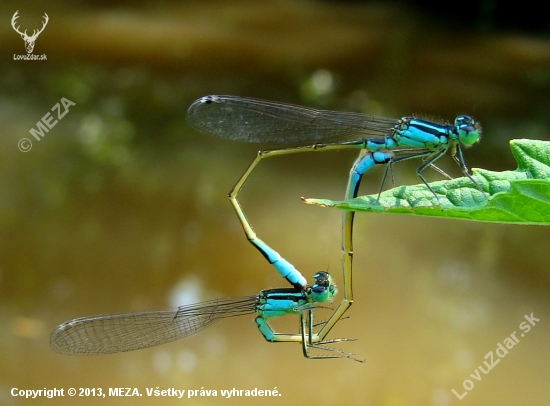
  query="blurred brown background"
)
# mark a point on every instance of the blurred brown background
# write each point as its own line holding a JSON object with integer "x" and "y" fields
{"x": 122, "y": 207}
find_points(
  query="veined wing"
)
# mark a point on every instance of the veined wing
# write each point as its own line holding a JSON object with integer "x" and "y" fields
{"x": 111, "y": 333}
{"x": 262, "y": 121}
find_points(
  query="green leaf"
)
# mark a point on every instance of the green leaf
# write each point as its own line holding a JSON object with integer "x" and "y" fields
{"x": 521, "y": 196}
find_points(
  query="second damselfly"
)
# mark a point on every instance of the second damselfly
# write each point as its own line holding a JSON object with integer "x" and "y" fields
{"x": 302, "y": 128}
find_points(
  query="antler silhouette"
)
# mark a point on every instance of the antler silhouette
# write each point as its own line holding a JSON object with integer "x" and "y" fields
{"x": 29, "y": 41}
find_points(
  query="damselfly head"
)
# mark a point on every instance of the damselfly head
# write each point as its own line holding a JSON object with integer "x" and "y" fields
{"x": 323, "y": 287}
{"x": 468, "y": 130}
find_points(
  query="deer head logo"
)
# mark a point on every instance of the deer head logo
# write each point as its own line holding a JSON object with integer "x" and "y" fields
{"x": 29, "y": 41}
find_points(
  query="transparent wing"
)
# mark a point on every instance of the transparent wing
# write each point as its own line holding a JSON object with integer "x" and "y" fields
{"x": 262, "y": 121}
{"x": 111, "y": 333}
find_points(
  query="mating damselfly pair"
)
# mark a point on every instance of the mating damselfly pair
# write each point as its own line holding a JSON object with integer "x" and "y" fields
{"x": 380, "y": 141}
